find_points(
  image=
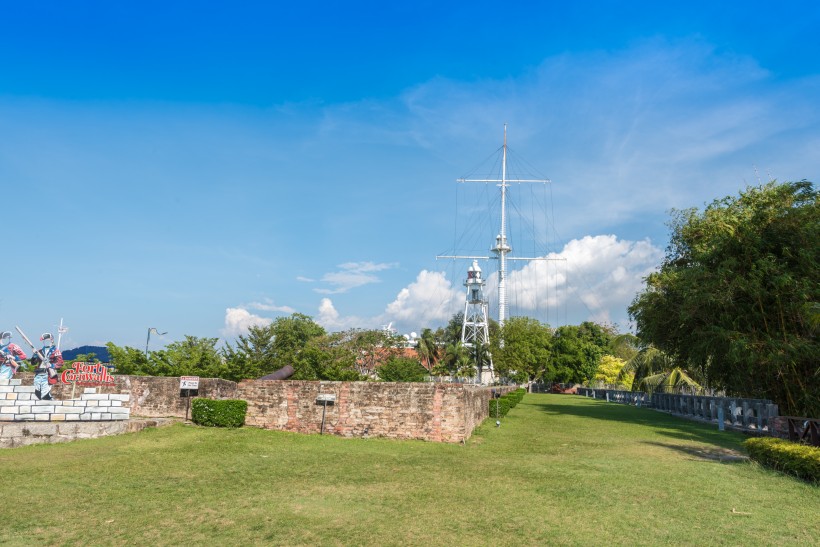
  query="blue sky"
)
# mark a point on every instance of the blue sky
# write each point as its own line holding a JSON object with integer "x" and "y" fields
{"x": 200, "y": 167}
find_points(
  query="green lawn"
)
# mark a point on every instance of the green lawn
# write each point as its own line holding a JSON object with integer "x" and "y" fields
{"x": 561, "y": 470}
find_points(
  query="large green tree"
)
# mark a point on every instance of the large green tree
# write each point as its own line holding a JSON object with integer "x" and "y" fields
{"x": 253, "y": 355}
{"x": 191, "y": 356}
{"x": 525, "y": 353}
{"x": 577, "y": 351}
{"x": 736, "y": 297}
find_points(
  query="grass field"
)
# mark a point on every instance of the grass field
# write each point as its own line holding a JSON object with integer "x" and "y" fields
{"x": 560, "y": 470}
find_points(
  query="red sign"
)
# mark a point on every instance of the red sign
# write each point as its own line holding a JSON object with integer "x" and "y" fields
{"x": 87, "y": 374}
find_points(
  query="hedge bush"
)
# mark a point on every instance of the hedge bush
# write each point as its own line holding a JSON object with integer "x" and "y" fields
{"x": 795, "y": 459}
{"x": 219, "y": 413}
{"x": 503, "y": 407}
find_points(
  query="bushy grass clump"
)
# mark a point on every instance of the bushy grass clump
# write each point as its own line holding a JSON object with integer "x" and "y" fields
{"x": 795, "y": 459}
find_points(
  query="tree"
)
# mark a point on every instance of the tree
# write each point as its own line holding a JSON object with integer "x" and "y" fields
{"x": 526, "y": 353}
{"x": 452, "y": 361}
{"x": 128, "y": 360}
{"x": 190, "y": 357}
{"x": 577, "y": 351}
{"x": 402, "y": 369}
{"x": 428, "y": 348}
{"x": 290, "y": 336}
{"x": 253, "y": 356}
{"x": 608, "y": 372}
{"x": 736, "y": 297}
{"x": 371, "y": 347}
{"x": 326, "y": 358}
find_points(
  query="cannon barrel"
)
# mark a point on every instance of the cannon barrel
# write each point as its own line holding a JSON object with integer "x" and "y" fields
{"x": 282, "y": 374}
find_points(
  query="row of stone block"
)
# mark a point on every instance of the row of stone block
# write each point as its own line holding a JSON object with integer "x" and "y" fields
{"x": 21, "y": 406}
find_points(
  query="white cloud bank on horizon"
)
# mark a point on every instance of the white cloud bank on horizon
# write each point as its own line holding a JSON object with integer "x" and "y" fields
{"x": 592, "y": 278}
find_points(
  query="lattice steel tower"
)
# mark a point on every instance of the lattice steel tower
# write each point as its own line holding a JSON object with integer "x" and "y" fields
{"x": 475, "y": 330}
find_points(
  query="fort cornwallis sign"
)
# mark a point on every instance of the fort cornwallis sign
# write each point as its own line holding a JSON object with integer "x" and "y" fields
{"x": 87, "y": 374}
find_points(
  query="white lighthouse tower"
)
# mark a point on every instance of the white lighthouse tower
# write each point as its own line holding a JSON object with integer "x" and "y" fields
{"x": 475, "y": 329}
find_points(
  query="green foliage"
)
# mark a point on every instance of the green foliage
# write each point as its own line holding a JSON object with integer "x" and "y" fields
{"x": 428, "y": 348}
{"x": 499, "y": 407}
{"x": 326, "y": 358}
{"x": 526, "y": 351}
{"x": 578, "y": 350}
{"x": 268, "y": 348}
{"x": 369, "y": 347}
{"x": 128, "y": 360}
{"x": 253, "y": 356}
{"x": 402, "y": 369}
{"x": 505, "y": 403}
{"x": 219, "y": 413}
{"x": 736, "y": 298}
{"x": 190, "y": 357}
{"x": 608, "y": 371}
{"x": 792, "y": 458}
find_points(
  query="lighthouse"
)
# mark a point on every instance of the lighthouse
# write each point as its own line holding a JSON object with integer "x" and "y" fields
{"x": 475, "y": 332}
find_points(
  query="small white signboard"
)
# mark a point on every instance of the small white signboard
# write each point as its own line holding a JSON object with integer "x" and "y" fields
{"x": 326, "y": 398}
{"x": 189, "y": 382}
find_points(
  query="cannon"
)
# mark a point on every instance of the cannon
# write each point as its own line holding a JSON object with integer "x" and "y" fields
{"x": 282, "y": 374}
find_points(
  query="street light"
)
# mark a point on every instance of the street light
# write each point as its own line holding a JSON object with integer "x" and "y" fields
{"x": 149, "y": 337}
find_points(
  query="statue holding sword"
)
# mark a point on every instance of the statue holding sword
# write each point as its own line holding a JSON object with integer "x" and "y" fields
{"x": 46, "y": 362}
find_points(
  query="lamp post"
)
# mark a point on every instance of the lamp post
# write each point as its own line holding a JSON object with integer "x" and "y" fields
{"x": 149, "y": 337}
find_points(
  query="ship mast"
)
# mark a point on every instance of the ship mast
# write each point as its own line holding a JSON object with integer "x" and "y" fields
{"x": 501, "y": 248}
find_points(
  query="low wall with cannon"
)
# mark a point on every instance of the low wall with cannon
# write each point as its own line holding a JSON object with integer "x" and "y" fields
{"x": 749, "y": 415}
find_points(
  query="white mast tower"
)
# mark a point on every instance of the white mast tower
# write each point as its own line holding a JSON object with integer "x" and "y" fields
{"x": 501, "y": 249}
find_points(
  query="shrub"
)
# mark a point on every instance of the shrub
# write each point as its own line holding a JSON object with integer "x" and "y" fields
{"x": 503, "y": 407}
{"x": 219, "y": 413}
{"x": 402, "y": 369}
{"x": 795, "y": 459}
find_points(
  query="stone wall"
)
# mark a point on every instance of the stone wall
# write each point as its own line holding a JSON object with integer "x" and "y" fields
{"x": 428, "y": 411}
{"x": 397, "y": 410}
{"x": 14, "y": 434}
{"x": 151, "y": 396}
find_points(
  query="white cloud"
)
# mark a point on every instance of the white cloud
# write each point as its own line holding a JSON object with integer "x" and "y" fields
{"x": 268, "y": 305}
{"x": 592, "y": 278}
{"x": 238, "y": 320}
{"x": 352, "y": 275}
{"x": 429, "y": 300}
{"x": 330, "y": 319}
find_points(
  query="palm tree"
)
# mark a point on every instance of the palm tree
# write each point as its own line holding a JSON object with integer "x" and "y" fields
{"x": 481, "y": 357}
{"x": 428, "y": 348}
{"x": 453, "y": 358}
{"x": 656, "y": 370}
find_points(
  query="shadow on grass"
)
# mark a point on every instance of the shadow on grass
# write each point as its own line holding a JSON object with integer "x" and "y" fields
{"x": 660, "y": 423}
{"x": 713, "y": 454}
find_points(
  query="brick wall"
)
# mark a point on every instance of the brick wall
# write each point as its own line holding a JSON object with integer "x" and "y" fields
{"x": 398, "y": 410}
{"x": 427, "y": 411}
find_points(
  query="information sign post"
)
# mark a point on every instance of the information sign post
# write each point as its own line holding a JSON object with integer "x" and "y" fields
{"x": 187, "y": 384}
